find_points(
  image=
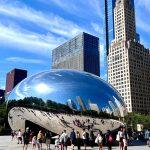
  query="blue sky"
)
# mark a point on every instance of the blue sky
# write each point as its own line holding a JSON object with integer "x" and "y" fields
{"x": 29, "y": 30}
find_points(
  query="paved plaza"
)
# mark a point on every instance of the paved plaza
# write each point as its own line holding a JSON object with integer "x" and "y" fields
{"x": 7, "y": 144}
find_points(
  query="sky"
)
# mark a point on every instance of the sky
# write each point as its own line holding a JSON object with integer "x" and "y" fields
{"x": 31, "y": 29}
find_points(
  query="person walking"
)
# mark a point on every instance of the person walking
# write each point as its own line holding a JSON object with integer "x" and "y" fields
{"x": 108, "y": 139}
{"x": 40, "y": 138}
{"x": 19, "y": 136}
{"x": 78, "y": 140}
{"x": 48, "y": 136}
{"x": 73, "y": 138}
{"x": 26, "y": 138}
{"x": 99, "y": 140}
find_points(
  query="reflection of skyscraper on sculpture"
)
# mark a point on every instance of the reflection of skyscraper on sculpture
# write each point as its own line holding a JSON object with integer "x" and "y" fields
{"x": 71, "y": 104}
{"x": 114, "y": 108}
{"x": 107, "y": 110}
{"x": 93, "y": 106}
{"x": 122, "y": 109}
{"x": 81, "y": 103}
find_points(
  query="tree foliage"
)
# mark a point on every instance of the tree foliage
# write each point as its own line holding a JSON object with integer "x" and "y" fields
{"x": 132, "y": 119}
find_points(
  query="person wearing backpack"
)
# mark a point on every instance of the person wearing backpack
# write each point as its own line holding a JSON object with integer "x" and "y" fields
{"x": 108, "y": 139}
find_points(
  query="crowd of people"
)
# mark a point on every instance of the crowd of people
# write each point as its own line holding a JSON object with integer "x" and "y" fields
{"x": 74, "y": 138}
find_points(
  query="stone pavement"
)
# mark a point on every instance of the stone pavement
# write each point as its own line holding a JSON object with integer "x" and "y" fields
{"x": 7, "y": 144}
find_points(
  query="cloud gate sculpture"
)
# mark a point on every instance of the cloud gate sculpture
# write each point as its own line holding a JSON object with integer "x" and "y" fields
{"x": 40, "y": 97}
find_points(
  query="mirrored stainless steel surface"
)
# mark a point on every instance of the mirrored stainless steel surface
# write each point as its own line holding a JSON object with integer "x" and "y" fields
{"x": 78, "y": 90}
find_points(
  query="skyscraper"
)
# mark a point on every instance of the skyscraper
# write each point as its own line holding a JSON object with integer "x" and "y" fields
{"x": 81, "y": 103}
{"x": 128, "y": 60}
{"x": 109, "y": 30}
{"x": 13, "y": 78}
{"x": 109, "y": 23}
{"x": 80, "y": 53}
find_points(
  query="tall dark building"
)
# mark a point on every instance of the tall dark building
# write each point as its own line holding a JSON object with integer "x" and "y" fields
{"x": 13, "y": 78}
{"x": 80, "y": 53}
{"x": 109, "y": 22}
{"x": 2, "y": 93}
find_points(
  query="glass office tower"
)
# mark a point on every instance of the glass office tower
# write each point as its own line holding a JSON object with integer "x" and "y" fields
{"x": 109, "y": 22}
{"x": 79, "y": 53}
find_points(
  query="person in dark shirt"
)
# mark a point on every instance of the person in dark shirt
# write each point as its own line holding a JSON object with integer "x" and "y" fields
{"x": 26, "y": 138}
{"x": 48, "y": 136}
{"x": 108, "y": 139}
{"x": 92, "y": 138}
{"x": 73, "y": 138}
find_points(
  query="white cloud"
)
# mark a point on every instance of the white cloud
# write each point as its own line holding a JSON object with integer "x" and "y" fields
{"x": 13, "y": 36}
{"x": 97, "y": 28}
{"x": 50, "y": 22}
{"x": 25, "y": 60}
{"x": 81, "y": 8}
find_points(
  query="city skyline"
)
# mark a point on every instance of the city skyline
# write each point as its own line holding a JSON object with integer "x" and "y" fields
{"x": 29, "y": 31}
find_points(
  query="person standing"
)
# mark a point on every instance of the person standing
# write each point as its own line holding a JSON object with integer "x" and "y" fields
{"x": 125, "y": 139}
{"x": 64, "y": 140}
{"x": 92, "y": 138}
{"x": 78, "y": 140}
{"x": 48, "y": 136}
{"x": 120, "y": 136}
{"x": 73, "y": 138}
{"x": 57, "y": 142}
{"x": 108, "y": 139}
{"x": 40, "y": 138}
{"x": 84, "y": 138}
{"x": 19, "y": 136}
{"x": 34, "y": 142}
{"x": 12, "y": 135}
{"x": 26, "y": 138}
{"x": 99, "y": 140}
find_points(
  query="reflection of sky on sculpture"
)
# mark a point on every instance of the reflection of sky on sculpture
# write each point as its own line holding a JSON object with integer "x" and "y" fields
{"x": 61, "y": 85}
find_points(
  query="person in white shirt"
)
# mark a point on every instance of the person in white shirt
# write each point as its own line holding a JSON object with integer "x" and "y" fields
{"x": 99, "y": 140}
{"x": 84, "y": 138}
{"x": 64, "y": 140}
{"x": 19, "y": 136}
{"x": 120, "y": 135}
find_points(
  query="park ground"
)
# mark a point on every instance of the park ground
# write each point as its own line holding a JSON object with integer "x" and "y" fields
{"x": 7, "y": 144}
